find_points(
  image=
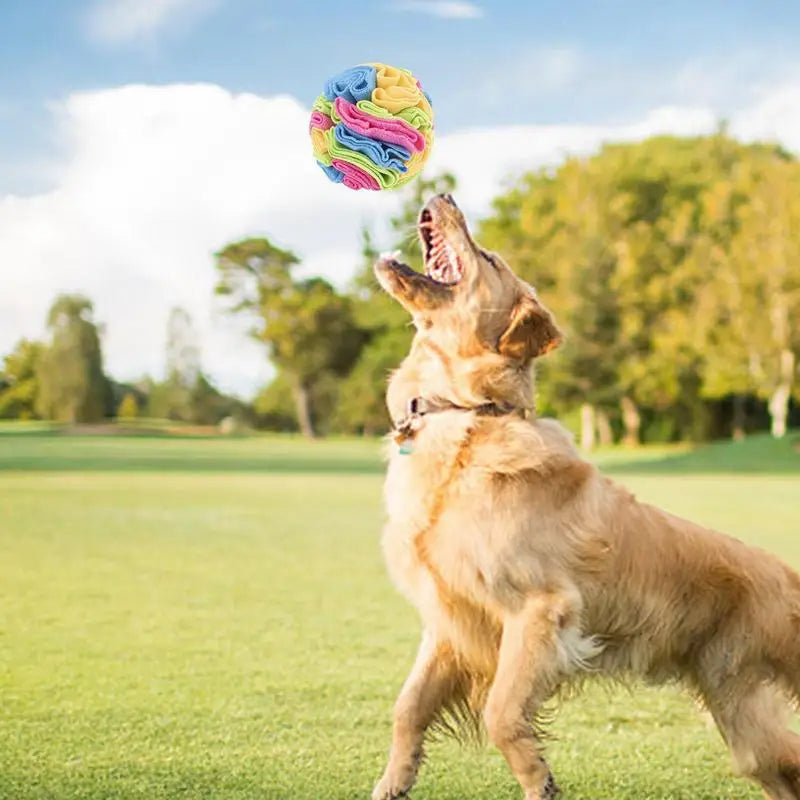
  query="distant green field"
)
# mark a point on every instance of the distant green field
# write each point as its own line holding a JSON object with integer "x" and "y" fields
{"x": 210, "y": 618}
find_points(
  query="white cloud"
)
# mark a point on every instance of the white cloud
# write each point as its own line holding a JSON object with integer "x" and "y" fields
{"x": 447, "y": 9}
{"x": 155, "y": 179}
{"x": 775, "y": 116}
{"x": 113, "y": 21}
{"x": 485, "y": 159}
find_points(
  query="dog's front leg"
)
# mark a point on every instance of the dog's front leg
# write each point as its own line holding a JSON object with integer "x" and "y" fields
{"x": 425, "y": 691}
{"x": 539, "y": 647}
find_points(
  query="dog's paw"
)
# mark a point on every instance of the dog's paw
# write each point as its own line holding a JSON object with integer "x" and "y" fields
{"x": 549, "y": 790}
{"x": 385, "y": 790}
{"x": 394, "y": 784}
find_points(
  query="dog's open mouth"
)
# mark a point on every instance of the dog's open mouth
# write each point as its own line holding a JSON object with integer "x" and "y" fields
{"x": 442, "y": 263}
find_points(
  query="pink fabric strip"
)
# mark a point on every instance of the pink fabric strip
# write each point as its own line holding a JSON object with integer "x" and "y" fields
{"x": 320, "y": 120}
{"x": 355, "y": 177}
{"x": 394, "y": 131}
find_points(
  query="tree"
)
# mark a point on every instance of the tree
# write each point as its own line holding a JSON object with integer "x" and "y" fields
{"x": 173, "y": 398}
{"x": 72, "y": 385}
{"x": 753, "y": 343}
{"x": 309, "y": 329}
{"x": 19, "y": 390}
{"x": 209, "y": 405}
{"x": 361, "y": 407}
{"x": 118, "y": 391}
{"x": 128, "y": 408}
{"x": 275, "y": 407}
{"x": 183, "y": 352}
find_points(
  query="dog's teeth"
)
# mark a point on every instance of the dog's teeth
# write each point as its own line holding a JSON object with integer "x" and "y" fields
{"x": 443, "y": 265}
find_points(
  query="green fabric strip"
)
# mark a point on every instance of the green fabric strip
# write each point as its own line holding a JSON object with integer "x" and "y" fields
{"x": 323, "y": 104}
{"x": 387, "y": 178}
{"x": 417, "y": 118}
{"x": 414, "y": 116}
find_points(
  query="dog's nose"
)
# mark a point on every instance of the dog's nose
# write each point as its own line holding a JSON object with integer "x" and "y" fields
{"x": 442, "y": 203}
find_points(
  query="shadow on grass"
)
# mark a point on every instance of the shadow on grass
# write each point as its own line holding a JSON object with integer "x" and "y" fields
{"x": 53, "y": 452}
{"x": 755, "y": 455}
{"x": 43, "y": 451}
{"x": 275, "y": 464}
{"x": 267, "y": 466}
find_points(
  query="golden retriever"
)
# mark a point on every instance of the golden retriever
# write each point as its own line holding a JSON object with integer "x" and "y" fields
{"x": 529, "y": 569}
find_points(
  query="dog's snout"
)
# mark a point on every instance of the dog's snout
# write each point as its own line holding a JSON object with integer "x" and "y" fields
{"x": 442, "y": 203}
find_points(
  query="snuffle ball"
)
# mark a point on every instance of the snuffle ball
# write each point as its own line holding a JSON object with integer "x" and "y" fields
{"x": 372, "y": 127}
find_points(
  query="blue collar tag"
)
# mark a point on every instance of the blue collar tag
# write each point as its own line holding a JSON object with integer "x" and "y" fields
{"x": 406, "y": 448}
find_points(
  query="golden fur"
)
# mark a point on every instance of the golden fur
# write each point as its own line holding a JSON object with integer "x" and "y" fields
{"x": 530, "y": 570}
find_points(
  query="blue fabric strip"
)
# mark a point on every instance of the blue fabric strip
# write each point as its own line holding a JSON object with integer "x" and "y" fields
{"x": 333, "y": 174}
{"x": 354, "y": 84}
{"x": 384, "y": 154}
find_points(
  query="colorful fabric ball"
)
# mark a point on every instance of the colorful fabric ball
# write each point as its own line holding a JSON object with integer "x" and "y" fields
{"x": 372, "y": 127}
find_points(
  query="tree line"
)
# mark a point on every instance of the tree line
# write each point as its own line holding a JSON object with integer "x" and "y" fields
{"x": 63, "y": 379}
{"x": 672, "y": 264}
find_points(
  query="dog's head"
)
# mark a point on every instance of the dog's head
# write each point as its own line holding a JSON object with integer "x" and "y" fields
{"x": 467, "y": 300}
{"x": 479, "y": 326}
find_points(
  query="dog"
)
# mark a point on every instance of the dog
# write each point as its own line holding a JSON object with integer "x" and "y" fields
{"x": 530, "y": 570}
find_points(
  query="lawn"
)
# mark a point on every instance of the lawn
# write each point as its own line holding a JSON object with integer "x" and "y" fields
{"x": 210, "y": 618}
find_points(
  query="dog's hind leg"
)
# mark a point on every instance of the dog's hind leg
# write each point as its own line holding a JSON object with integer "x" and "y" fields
{"x": 753, "y": 719}
{"x": 430, "y": 686}
{"x": 540, "y": 646}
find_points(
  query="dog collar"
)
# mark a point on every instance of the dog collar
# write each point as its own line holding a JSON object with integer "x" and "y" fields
{"x": 418, "y": 407}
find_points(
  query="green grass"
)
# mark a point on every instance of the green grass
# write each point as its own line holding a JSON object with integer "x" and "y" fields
{"x": 756, "y": 454}
{"x": 56, "y": 452}
{"x": 210, "y": 618}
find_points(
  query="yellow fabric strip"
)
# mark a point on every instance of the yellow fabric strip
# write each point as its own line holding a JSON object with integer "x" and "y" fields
{"x": 396, "y": 89}
{"x": 417, "y": 160}
{"x": 320, "y": 141}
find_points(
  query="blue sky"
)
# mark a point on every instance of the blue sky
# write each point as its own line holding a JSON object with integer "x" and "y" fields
{"x": 137, "y": 137}
{"x": 512, "y": 62}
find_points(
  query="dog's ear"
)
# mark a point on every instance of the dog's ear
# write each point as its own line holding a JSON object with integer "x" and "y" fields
{"x": 531, "y": 331}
